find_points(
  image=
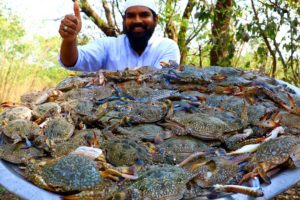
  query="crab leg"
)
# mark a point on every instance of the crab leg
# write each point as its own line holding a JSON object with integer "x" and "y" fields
{"x": 191, "y": 157}
{"x": 257, "y": 171}
{"x": 114, "y": 174}
{"x": 245, "y": 149}
{"x": 252, "y": 147}
{"x": 270, "y": 123}
{"x": 251, "y": 191}
{"x": 292, "y": 108}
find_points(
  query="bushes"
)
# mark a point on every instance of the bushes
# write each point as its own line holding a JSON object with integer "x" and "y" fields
{"x": 26, "y": 65}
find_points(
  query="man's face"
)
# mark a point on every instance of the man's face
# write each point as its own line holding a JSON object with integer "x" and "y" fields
{"x": 139, "y": 25}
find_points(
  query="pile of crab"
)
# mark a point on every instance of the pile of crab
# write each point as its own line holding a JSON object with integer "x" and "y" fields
{"x": 179, "y": 132}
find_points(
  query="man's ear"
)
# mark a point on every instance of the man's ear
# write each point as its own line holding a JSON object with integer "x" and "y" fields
{"x": 155, "y": 20}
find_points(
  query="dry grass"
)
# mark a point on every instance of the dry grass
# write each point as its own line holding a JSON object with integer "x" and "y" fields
{"x": 19, "y": 77}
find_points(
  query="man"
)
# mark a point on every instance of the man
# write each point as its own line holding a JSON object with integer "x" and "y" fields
{"x": 137, "y": 47}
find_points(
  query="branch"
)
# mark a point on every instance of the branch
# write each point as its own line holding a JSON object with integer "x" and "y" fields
{"x": 108, "y": 13}
{"x": 183, "y": 29}
{"x": 88, "y": 10}
{"x": 114, "y": 15}
{"x": 265, "y": 38}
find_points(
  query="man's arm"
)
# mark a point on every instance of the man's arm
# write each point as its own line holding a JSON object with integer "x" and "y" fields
{"x": 168, "y": 50}
{"x": 69, "y": 28}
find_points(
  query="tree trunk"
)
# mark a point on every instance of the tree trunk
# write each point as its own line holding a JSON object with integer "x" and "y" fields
{"x": 184, "y": 24}
{"x": 170, "y": 27}
{"x": 220, "y": 54}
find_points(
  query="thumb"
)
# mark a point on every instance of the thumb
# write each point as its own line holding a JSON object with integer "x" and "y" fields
{"x": 76, "y": 10}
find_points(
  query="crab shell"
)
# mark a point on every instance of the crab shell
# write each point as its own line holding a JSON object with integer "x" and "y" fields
{"x": 69, "y": 173}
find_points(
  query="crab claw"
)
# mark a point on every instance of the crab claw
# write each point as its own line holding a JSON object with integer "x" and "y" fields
{"x": 92, "y": 141}
{"x": 251, "y": 191}
{"x": 170, "y": 64}
{"x": 259, "y": 170}
{"x": 218, "y": 77}
{"x": 270, "y": 123}
{"x": 293, "y": 107}
{"x": 8, "y": 104}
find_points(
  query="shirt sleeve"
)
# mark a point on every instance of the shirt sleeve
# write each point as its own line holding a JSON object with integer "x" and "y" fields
{"x": 91, "y": 57}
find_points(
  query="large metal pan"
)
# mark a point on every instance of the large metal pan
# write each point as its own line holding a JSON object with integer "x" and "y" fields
{"x": 16, "y": 184}
{"x": 12, "y": 181}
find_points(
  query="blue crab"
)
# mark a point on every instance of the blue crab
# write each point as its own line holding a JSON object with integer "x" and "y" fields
{"x": 40, "y": 97}
{"x": 125, "y": 152}
{"x": 160, "y": 182}
{"x": 66, "y": 174}
{"x": 58, "y": 129}
{"x": 74, "y": 82}
{"x": 19, "y": 153}
{"x": 19, "y": 112}
{"x": 174, "y": 150}
{"x": 271, "y": 154}
{"x": 86, "y": 137}
{"x": 21, "y": 129}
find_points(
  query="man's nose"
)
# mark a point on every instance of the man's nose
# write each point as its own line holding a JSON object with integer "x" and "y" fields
{"x": 137, "y": 19}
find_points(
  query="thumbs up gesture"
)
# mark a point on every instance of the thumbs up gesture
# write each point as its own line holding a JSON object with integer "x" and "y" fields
{"x": 70, "y": 26}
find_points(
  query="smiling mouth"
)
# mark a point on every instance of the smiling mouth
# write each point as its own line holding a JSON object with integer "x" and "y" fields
{"x": 138, "y": 29}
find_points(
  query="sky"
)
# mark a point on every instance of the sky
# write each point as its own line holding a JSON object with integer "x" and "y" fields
{"x": 42, "y": 17}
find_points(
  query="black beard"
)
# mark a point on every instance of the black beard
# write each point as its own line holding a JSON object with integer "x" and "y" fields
{"x": 139, "y": 41}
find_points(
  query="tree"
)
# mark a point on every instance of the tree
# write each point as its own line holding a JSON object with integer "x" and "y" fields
{"x": 217, "y": 32}
{"x": 220, "y": 53}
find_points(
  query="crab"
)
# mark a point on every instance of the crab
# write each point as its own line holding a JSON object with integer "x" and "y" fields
{"x": 88, "y": 93}
{"x": 214, "y": 173}
{"x": 207, "y": 125}
{"x": 286, "y": 100}
{"x": 132, "y": 112}
{"x": 215, "y": 170}
{"x": 145, "y": 132}
{"x": 289, "y": 120}
{"x": 144, "y": 93}
{"x": 40, "y": 111}
{"x": 66, "y": 174}
{"x": 19, "y": 153}
{"x": 58, "y": 129}
{"x": 86, "y": 137}
{"x": 126, "y": 152}
{"x": 186, "y": 74}
{"x": 160, "y": 182}
{"x": 20, "y": 129}
{"x": 175, "y": 149}
{"x": 271, "y": 154}
{"x": 137, "y": 74}
{"x": 36, "y": 98}
{"x": 81, "y": 111}
{"x": 105, "y": 190}
{"x": 20, "y": 112}
{"x": 74, "y": 82}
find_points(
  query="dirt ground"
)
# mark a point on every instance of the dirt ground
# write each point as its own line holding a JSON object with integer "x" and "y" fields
{"x": 291, "y": 194}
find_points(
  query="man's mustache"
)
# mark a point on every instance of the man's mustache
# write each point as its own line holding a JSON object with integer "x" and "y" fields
{"x": 138, "y": 26}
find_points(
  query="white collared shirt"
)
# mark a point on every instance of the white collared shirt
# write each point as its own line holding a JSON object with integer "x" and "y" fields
{"x": 116, "y": 54}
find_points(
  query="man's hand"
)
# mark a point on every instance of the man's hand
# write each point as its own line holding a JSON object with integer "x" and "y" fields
{"x": 70, "y": 26}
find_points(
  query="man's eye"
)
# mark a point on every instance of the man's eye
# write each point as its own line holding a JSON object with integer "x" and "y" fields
{"x": 130, "y": 16}
{"x": 145, "y": 14}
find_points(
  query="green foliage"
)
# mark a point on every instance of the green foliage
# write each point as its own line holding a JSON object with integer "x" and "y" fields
{"x": 26, "y": 65}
